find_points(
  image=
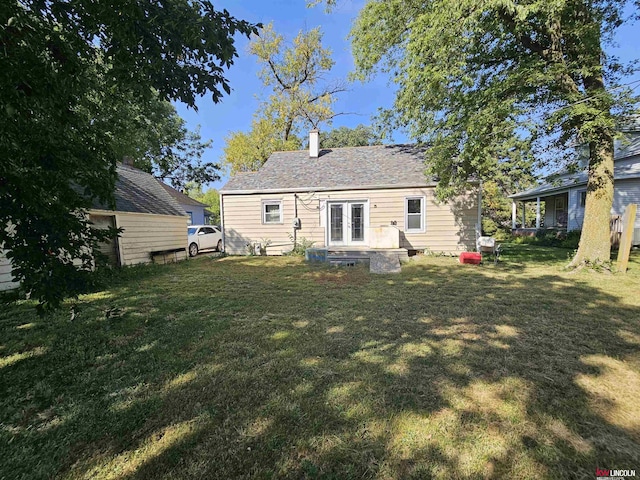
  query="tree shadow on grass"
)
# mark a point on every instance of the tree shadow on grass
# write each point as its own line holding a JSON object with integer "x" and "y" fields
{"x": 262, "y": 368}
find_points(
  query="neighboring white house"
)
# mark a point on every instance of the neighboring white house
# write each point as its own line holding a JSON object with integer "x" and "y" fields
{"x": 563, "y": 194}
{"x": 153, "y": 223}
{"x": 345, "y": 198}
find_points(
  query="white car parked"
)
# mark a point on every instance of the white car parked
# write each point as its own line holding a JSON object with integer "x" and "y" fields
{"x": 203, "y": 237}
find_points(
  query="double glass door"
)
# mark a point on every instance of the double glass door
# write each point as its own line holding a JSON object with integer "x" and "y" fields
{"x": 347, "y": 222}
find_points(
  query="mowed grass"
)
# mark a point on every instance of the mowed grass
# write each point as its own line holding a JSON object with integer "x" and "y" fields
{"x": 270, "y": 368}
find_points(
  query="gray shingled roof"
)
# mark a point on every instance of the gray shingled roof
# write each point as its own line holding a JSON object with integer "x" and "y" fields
{"x": 138, "y": 192}
{"x": 180, "y": 197}
{"x": 336, "y": 169}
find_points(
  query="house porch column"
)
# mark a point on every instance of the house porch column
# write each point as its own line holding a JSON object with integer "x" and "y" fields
{"x": 514, "y": 208}
{"x": 538, "y": 213}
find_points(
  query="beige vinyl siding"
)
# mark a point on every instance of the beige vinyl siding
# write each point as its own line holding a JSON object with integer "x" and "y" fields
{"x": 146, "y": 233}
{"x": 143, "y": 234}
{"x": 6, "y": 279}
{"x": 243, "y": 222}
{"x": 449, "y": 227}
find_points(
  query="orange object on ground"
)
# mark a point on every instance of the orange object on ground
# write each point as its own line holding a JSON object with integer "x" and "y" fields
{"x": 472, "y": 258}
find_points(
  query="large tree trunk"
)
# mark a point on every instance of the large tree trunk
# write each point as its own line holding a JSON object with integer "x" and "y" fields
{"x": 595, "y": 243}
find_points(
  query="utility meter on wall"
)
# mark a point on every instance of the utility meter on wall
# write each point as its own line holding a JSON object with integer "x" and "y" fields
{"x": 296, "y": 223}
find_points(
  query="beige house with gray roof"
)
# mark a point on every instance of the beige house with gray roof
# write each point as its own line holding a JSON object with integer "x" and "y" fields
{"x": 363, "y": 198}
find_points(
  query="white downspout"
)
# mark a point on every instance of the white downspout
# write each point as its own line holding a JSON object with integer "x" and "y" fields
{"x": 479, "y": 210}
{"x": 224, "y": 240}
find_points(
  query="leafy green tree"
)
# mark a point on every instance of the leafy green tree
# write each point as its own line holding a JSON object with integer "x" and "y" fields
{"x": 300, "y": 98}
{"x": 511, "y": 177}
{"x": 65, "y": 69}
{"x": 157, "y": 139}
{"x": 496, "y": 208}
{"x": 360, "y": 136}
{"x": 484, "y": 82}
{"x": 295, "y": 74}
{"x": 209, "y": 197}
{"x": 247, "y": 152}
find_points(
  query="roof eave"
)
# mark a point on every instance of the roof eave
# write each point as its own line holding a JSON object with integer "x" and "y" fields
{"x": 178, "y": 196}
{"x": 326, "y": 189}
{"x": 101, "y": 211}
{"x": 194, "y": 203}
{"x": 560, "y": 189}
{"x": 545, "y": 193}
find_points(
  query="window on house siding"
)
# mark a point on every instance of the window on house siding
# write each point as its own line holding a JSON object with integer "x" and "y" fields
{"x": 190, "y": 221}
{"x": 414, "y": 214}
{"x": 272, "y": 211}
{"x": 583, "y": 197}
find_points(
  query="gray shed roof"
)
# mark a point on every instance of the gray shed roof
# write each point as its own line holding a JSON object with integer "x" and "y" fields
{"x": 138, "y": 192}
{"x": 346, "y": 168}
{"x": 180, "y": 197}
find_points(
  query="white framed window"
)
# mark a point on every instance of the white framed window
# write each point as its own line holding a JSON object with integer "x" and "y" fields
{"x": 190, "y": 221}
{"x": 414, "y": 214}
{"x": 582, "y": 197}
{"x": 272, "y": 211}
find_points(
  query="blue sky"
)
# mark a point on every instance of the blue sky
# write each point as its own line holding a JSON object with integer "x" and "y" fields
{"x": 235, "y": 112}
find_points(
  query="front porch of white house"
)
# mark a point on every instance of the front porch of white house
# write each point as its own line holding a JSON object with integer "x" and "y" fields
{"x": 532, "y": 214}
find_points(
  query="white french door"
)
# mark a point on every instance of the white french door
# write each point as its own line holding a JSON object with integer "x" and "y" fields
{"x": 348, "y": 222}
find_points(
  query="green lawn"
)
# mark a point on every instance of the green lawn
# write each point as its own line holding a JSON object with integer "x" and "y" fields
{"x": 260, "y": 367}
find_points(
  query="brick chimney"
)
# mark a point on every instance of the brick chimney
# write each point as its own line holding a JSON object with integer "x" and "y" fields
{"x": 314, "y": 143}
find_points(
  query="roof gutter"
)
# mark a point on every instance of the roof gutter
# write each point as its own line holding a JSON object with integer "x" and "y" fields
{"x": 101, "y": 211}
{"x": 545, "y": 193}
